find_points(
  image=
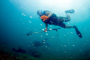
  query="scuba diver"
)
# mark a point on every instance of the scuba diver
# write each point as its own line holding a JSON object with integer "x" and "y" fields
{"x": 52, "y": 19}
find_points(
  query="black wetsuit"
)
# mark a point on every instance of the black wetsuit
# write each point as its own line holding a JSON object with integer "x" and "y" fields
{"x": 59, "y": 21}
{"x": 54, "y": 20}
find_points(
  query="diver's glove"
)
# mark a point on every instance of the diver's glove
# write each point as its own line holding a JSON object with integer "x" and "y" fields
{"x": 44, "y": 18}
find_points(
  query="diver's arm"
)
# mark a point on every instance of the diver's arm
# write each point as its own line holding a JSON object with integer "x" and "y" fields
{"x": 46, "y": 28}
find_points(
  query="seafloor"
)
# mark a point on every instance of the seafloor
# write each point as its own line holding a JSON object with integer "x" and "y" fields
{"x": 7, "y": 54}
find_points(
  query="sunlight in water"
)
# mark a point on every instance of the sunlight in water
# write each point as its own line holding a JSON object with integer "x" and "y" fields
{"x": 57, "y": 3}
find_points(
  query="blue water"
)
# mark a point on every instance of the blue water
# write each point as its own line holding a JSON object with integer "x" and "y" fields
{"x": 18, "y": 17}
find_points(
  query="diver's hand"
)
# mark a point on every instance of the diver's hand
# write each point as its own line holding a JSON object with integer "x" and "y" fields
{"x": 45, "y": 30}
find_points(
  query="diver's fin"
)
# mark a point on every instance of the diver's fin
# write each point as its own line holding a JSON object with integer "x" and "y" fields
{"x": 78, "y": 32}
{"x": 69, "y": 11}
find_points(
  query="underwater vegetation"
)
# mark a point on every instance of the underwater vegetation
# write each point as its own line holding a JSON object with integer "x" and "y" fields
{"x": 32, "y": 52}
{"x": 4, "y": 55}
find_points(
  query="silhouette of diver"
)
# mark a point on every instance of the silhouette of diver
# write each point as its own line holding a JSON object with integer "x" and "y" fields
{"x": 50, "y": 18}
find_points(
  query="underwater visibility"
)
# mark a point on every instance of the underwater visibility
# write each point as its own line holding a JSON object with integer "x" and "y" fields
{"x": 44, "y": 30}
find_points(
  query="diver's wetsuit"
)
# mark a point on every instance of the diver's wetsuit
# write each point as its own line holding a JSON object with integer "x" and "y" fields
{"x": 54, "y": 20}
{"x": 59, "y": 21}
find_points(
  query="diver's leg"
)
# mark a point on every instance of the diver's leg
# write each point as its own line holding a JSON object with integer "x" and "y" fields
{"x": 76, "y": 29}
{"x": 78, "y": 32}
{"x": 64, "y": 19}
{"x": 68, "y": 17}
{"x": 68, "y": 26}
{"x": 63, "y": 25}
{"x": 67, "y": 14}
